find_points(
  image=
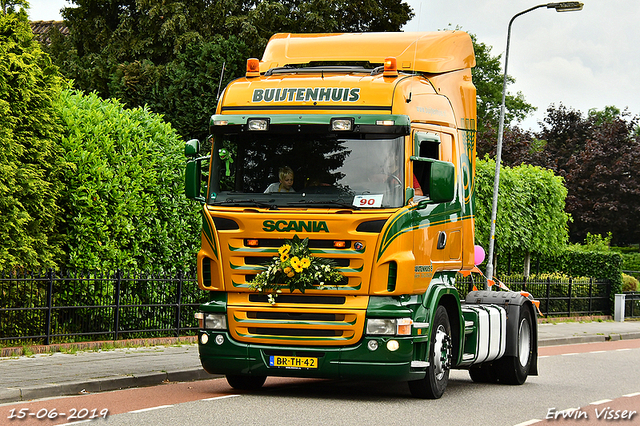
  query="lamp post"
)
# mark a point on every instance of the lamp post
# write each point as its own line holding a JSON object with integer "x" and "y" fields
{"x": 566, "y": 6}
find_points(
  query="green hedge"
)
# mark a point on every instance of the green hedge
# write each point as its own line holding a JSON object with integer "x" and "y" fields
{"x": 574, "y": 261}
{"x": 123, "y": 201}
{"x": 631, "y": 262}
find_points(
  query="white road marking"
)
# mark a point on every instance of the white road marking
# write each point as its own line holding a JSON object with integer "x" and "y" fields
{"x": 220, "y": 397}
{"x": 527, "y": 423}
{"x": 602, "y": 401}
{"x": 150, "y": 409}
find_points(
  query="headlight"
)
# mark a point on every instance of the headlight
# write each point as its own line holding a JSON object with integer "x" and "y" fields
{"x": 381, "y": 326}
{"x": 258, "y": 124}
{"x": 395, "y": 326}
{"x": 212, "y": 321}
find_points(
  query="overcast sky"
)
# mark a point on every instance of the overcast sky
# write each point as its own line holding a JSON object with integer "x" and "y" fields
{"x": 587, "y": 59}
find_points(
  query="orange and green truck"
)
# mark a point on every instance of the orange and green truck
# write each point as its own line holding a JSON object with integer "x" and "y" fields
{"x": 377, "y": 131}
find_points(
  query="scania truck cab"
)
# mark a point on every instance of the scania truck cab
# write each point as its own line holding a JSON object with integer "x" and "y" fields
{"x": 378, "y": 132}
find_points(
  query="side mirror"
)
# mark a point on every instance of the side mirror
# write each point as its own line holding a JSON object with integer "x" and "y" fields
{"x": 193, "y": 172}
{"x": 442, "y": 182}
{"x": 192, "y": 180}
{"x": 192, "y": 148}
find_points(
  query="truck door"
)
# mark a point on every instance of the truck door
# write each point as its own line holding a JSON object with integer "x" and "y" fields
{"x": 438, "y": 226}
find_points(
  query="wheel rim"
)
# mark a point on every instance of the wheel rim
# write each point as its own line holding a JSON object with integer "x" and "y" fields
{"x": 524, "y": 344}
{"x": 441, "y": 352}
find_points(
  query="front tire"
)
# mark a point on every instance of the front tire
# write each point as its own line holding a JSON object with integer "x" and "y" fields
{"x": 245, "y": 382}
{"x": 513, "y": 370}
{"x": 435, "y": 382}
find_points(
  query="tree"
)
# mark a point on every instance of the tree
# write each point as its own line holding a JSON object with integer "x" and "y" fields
{"x": 9, "y": 6}
{"x": 599, "y": 156}
{"x": 603, "y": 182}
{"x": 531, "y": 216}
{"x": 142, "y": 51}
{"x": 488, "y": 78}
{"x": 30, "y": 158}
{"x": 186, "y": 90}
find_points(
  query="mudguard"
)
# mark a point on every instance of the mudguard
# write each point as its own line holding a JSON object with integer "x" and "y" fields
{"x": 512, "y": 302}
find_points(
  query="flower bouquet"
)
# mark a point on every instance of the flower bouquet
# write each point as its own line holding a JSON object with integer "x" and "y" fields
{"x": 296, "y": 268}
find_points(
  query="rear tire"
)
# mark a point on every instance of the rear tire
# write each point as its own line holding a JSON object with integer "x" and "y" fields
{"x": 245, "y": 382}
{"x": 513, "y": 370}
{"x": 435, "y": 382}
{"x": 483, "y": 373}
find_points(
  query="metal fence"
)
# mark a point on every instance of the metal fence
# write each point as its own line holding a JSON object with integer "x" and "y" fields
{"x": 559, "y": 296}
{"x": 51, "y": 307}
{"x": 632, "y": 304}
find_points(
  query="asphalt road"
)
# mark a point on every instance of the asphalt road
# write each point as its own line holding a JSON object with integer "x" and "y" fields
{"x": 572, "y": 377}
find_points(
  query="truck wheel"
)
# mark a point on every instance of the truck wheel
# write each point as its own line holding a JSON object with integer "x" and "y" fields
{"x": 483, "y": 373}
{"x": 244, "y": 382}
{"x": 437, "y": 378}
{"x": 514, "y": 370}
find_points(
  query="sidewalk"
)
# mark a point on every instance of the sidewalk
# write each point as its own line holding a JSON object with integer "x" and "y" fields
{"x": 50, "y": 375}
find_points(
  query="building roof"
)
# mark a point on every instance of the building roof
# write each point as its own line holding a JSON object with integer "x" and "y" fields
{"x": 41, "y": 29}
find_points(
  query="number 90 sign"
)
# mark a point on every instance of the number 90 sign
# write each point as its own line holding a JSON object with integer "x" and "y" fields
{"x": 369, "y": 200}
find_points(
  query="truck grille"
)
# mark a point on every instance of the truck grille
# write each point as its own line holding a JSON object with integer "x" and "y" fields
{"x": 319, "y": 320}
{"x": 246, "y": 262}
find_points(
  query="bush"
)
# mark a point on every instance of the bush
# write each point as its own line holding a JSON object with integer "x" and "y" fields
{"x": 30, "y": 160}
{"x": 629, "y": 283}
{"x": 123, "y": 202}
{"x": 631, "y": 262}
{"x": 577, "y": 261}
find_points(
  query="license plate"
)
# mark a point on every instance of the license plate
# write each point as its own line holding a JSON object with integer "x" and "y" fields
{"x": 293, "y": 362}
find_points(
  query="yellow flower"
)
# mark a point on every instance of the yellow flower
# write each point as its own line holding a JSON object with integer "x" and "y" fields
{"x": 305, "y": 262}
{"x": 284, "y": 250}
{"x": 291, "y": 274}
{"x": 287, "y": 270}
{"x": 296, "y": 264}
{"x": 284, "y": 257}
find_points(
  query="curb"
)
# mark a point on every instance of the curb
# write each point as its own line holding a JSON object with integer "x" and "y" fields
{"x": 96, "y": 345}
{"x": 12, "y": 395}
{"x": 592, "y": 338}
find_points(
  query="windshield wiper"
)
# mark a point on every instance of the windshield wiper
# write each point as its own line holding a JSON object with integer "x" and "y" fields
{"x": 339, "y": 203}
{"x": 245, "y": 201}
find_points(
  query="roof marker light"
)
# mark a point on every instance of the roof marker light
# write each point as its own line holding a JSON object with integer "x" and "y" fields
{"x": 253, "y": 67}
{"x": 390, "y": 67}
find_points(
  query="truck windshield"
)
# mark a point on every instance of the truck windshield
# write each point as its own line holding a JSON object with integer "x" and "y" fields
{"x": 327, "y": 171}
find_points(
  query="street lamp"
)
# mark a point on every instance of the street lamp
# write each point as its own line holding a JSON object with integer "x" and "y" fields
{"x": 566, "y": 6}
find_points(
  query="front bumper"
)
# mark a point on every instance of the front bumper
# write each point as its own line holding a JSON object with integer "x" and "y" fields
{"x": 222, "y": 355}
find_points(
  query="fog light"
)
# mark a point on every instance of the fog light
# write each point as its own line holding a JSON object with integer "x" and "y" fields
{"x": 204, "y": 339}
{"x": 372, "y": 345}
{"x": 393, "y": 345}
{"x": 219, "y": 339}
